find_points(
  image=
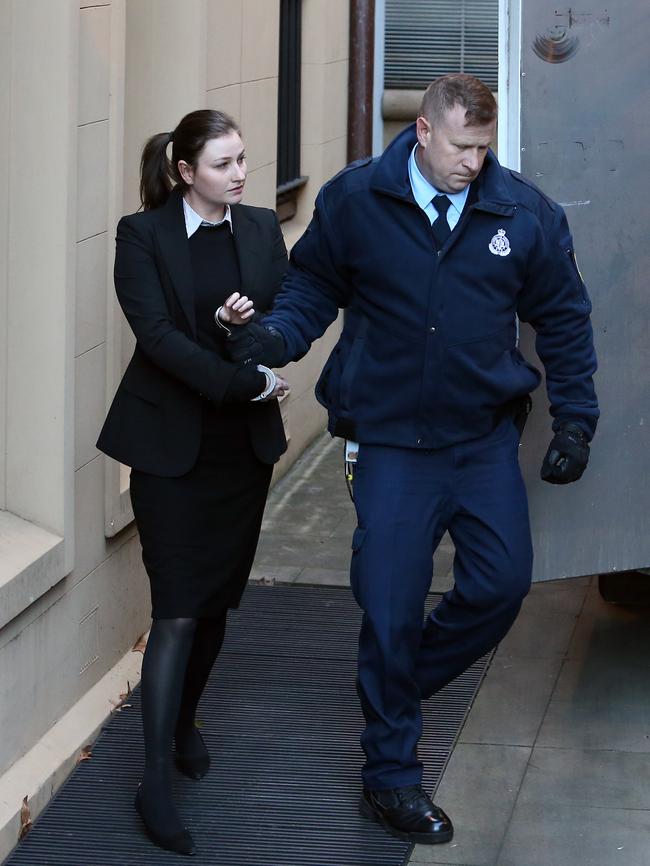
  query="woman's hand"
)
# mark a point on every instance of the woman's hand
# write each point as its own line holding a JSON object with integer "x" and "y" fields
{"x": 237, "y": 310}
{"x": 281, "y": 388}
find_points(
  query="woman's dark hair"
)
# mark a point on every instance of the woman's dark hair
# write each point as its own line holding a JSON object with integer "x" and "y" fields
{"x": 158, "y": 173}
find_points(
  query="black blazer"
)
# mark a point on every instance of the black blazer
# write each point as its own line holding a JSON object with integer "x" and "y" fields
{"x": 155, "y": 421}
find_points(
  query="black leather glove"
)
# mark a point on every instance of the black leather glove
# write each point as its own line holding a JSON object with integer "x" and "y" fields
{"x": 246, "y": 384}
{"x": 254, "y": 343}
{"x": 567, "y": 455}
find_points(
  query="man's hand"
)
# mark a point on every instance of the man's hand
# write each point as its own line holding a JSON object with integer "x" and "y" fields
{"x": 255, "y": 344}
{"x": 567, "y": 456}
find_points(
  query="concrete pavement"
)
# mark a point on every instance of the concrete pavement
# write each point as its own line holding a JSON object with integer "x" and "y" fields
{"x": 552, "y": 767}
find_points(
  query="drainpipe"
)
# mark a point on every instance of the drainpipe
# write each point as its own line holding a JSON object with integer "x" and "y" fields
{"x": 360, "y": 81}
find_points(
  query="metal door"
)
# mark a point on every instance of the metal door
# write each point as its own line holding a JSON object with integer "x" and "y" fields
{"x": 585, "y": 140}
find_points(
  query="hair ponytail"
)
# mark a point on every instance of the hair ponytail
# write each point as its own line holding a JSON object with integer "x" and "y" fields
{"x": 155, "y": 171}
{"x": 158, "y": 173}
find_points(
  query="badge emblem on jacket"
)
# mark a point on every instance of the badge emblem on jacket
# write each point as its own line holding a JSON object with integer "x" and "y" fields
{"x": 500, "y": 245}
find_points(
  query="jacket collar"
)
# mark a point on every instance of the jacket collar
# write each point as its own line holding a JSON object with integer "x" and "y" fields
{"x": 391, "y": 177}
{"x": 246, "y": 233}
{"x": 175, "y": 251}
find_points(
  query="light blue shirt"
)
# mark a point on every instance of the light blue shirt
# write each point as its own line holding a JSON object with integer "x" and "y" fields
{"x": 423, "y": 193}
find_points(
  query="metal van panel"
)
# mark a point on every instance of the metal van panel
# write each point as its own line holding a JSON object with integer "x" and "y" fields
{"x": 585, "y": 118}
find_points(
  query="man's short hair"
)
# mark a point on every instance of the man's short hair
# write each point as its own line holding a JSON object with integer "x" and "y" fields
{"x": 457, "y": 88}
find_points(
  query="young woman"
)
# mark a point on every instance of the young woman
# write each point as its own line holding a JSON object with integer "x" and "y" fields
{"x": 200, "y": 432}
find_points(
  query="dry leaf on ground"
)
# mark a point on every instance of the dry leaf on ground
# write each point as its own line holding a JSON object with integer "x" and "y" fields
{"x": 127, "y": 693}
{"x": 121, "y": 704}
{"x": 25, "y": 819}
{"x": 85, "y": 754}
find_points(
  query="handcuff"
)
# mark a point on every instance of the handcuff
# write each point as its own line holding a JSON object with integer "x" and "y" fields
{"x": 271, "y": 382}
{"x": 271, "y": 378}
{"x": 220, "y": 323}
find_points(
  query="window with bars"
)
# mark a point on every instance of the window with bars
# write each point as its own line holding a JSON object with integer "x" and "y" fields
{"x": 289, "y": 179}
{"x": 428, "y": 38}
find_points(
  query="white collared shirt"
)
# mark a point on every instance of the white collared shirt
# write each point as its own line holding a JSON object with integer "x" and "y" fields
{"x": 424, "y": 192}
{"x": 193, "y": 220}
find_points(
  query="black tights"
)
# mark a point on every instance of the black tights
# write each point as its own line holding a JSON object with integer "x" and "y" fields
{"x": 179, "y": 651}
{"x": 208, "y": 639}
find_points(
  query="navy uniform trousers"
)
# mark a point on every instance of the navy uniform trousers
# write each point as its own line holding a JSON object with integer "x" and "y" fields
{"x": 405, "y": 500}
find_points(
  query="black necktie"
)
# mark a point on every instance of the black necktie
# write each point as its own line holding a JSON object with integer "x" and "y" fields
{"x": 440, "y": 226}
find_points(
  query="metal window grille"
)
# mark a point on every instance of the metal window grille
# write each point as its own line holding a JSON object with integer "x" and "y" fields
{"x": 289, "y": 94}
{"x": 428, "y": 38}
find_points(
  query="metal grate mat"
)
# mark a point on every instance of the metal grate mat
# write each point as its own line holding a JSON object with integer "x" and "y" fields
{"x": 281, "y": 718}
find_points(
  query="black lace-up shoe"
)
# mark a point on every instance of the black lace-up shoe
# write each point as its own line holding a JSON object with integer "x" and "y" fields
{"x": 408, "y": 814}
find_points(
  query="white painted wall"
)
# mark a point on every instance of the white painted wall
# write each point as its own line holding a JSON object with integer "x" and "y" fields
{"x": 73, "y": 593}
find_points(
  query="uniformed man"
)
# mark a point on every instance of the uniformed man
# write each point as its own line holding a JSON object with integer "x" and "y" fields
{"x": 435, "y": 249}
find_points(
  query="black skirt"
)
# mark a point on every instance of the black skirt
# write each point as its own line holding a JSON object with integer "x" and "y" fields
{"x": 199, "y": 531}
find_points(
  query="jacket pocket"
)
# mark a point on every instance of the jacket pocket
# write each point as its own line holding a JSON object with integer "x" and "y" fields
{"x": 502, "y": 337}
{"x": 351, "y": 365}
{"x": 329, "y": 374}
{"x": 350, "y": 371}
{"x": 140, "y": 383}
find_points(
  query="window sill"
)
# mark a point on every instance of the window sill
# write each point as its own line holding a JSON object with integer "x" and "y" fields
{"x": 401, "y": 105}
{"x": 119, "y": 512}
{"x": 32, "y": 560}
{"x": 286, "y": 201}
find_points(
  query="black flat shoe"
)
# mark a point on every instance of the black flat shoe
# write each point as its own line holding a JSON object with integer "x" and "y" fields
{"x": 180, "y": 843}
{"x": 408, "y": 814}
{"x": 194, "y": 766}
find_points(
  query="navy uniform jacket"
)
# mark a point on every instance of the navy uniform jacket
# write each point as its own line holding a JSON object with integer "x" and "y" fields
{"x": 428, "y": 354}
